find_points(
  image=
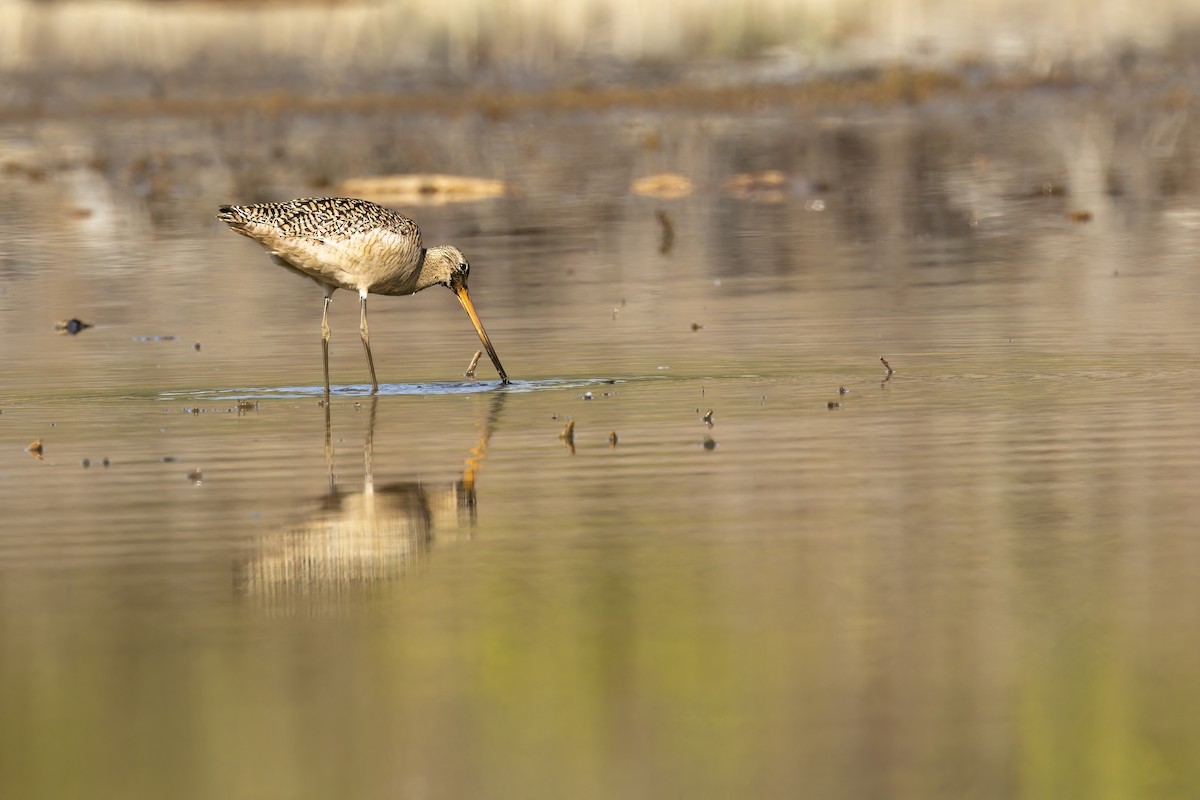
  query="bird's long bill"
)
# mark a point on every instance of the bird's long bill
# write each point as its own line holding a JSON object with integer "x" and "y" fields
{"x": 465, "y": 299}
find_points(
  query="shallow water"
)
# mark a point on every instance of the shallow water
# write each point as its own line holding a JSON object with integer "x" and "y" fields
{"x": 973, "y": 577}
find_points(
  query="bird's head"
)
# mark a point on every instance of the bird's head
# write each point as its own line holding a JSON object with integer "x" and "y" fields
{"x": 446, "y": 265}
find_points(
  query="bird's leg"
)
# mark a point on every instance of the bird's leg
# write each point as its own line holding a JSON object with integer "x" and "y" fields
{"x": 325, "y": 344}
{"x": 366, "y": 338}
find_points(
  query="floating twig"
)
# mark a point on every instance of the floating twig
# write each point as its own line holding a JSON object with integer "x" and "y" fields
{"x": 612, "y": 438}
{"x": 470, "y": 373}
{"x": 708, "y": 418}
{"x": 667, "y": 240}
{"x": 886, "y": 365}
{"x": 568, "y": 435}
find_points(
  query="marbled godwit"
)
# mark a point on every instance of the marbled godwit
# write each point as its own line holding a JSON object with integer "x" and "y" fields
{"x": 344, "y": 243}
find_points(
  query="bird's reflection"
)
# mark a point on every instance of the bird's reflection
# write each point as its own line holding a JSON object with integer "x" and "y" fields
{"x": 362, "y": 538}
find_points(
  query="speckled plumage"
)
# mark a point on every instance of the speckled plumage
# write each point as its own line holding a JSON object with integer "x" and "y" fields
{"x": 323, "y": 217}
{"x": 347, "y": 243}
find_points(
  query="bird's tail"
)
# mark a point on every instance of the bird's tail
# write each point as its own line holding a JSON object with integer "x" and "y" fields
{"x": 234, "y": 217}
{"x": 230, "y": 214}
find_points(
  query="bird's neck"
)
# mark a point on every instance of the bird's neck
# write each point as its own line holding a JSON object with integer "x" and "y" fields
{"x": 405, "y": 277}
{"x": 425, "y": 277}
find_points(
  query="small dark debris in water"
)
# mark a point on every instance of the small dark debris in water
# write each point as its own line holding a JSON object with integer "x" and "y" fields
{"x": 1116, "y": 273}
{"x": 470, "y": 373}
{"x": 196, "y": 346}
{"x": 87, "y": 462}
{"x": 53, "y": 424}
{"x": 843, "y": 390}
{"x": 320, "y": 404}
{"x": 554, "y": 416}
{"x": 169, "y": 459}
{"x": 1080, "y": 217}
{"x": 105, "y": 462}
{"x": 612, "y": 438}
{"x": 710, "y": 443}
{"x": 35, "y": 449}
{"x": 196, "y": 476}
{"x": 193, "y": 410}
{"x": 667, "y": 239}
{"x": 246, "y": 406}
{"x": 708, "y": 418}
{"x": 696, "y": 326}
{"x": 886, "y": 365}
{"x": 611, "y": 381}
{"x": 71, "y": 326}
{"x": 833, "y": 405}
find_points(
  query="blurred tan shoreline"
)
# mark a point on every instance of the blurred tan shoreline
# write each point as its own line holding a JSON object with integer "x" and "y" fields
{"x": 883, "y": 88}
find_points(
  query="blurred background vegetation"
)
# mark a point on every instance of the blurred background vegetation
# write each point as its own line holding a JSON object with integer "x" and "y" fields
{"x": 63, "y": 52}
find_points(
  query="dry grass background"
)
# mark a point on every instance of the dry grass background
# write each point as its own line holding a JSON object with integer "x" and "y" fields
{"x": 463, "y": 35}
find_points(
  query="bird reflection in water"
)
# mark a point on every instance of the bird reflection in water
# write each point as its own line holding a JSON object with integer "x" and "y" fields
{"x": 359, "y": 540}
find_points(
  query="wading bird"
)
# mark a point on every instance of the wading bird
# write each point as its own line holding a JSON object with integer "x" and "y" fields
{"x": 344, "y": 243}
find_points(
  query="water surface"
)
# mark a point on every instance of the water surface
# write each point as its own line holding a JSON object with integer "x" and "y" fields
{"x": 973, "y": 577}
